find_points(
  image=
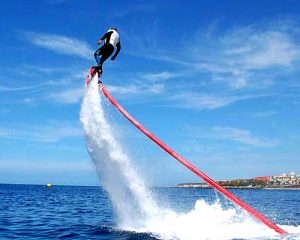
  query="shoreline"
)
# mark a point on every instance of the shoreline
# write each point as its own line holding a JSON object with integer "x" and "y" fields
{"x": 241, "y": 187}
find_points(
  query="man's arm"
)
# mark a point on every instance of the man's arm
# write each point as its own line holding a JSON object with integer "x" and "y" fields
{"x": 118, "y": 45}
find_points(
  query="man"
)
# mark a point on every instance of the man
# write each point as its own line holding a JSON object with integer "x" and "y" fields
{"x": 111, "y": 41}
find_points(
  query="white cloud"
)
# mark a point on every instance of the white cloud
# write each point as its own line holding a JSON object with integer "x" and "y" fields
{"x": 243, "y": 53}
{"x": 14, "y": 89}
{"x": 33, "y": 70}
{"x": 60, "y": 44}
{"x": 69, "y": 96}
{"x": 250, "y": 49}
{"x": 44, "y": 166}
{"x": 138, "y": 89}
{"x": 199, "y": 101}
{"x": 264, "y": 114}
{"x": 5, "y": 133}
{"x": 74, "y": 95}
{"x": 242, "y": 136}
{"x": 239, "y": 58}
{"x": 156, "y": 88}
{"x": 42, "y": 133}
{"x": 159, "y": 76}
{"x": 129, "y": 89}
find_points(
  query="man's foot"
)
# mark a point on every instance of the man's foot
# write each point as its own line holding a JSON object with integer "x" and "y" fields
{"x": 93, "y": 71}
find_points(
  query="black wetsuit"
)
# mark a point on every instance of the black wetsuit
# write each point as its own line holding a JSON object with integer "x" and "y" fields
{"x": 107, "y": 49}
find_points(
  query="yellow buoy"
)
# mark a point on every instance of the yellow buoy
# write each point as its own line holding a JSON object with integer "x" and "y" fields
{"x": 49, "y": 185}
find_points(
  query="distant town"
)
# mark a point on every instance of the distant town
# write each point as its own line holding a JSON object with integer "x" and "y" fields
{"x": 283, "y": 181}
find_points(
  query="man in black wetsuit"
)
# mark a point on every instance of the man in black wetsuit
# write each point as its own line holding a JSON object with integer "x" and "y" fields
{"x": 112, "y": 41}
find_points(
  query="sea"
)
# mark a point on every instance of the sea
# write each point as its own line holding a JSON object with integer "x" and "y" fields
{"x": 74, "y": 212}
{"x": 125, "y": 207}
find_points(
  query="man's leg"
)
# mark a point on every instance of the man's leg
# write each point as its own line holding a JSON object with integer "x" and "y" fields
{"x": 107, "y": 51}
{"x": 98, "y": 53}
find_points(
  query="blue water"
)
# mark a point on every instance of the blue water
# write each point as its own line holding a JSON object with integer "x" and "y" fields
{"x": 71, "y": 212}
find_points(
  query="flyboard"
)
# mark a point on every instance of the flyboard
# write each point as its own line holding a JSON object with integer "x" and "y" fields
{"x": 93, "y": 71}
{"x": 182, "y": 160}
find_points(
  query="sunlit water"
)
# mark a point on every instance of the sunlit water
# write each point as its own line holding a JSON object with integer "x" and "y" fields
{"x": 38, "y": 212}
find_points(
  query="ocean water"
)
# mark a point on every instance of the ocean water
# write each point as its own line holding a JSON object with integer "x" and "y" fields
{"x": 71, "y": 212}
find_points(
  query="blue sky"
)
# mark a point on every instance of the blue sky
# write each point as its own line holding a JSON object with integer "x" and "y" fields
{"x": 216, "y": 80}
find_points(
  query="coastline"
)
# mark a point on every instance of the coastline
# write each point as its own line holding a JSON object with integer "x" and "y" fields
{"x": 205, "y": 186}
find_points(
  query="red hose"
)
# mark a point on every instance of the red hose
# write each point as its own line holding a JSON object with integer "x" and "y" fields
{"x": 193, "y": 168}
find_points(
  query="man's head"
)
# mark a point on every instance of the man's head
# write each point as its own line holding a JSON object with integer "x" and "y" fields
{"x": 115, "y": 29}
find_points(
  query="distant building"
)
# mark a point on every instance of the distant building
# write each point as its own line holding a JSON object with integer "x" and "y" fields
{"x": 263, "y": 178}
{"x": 285, "y": 179}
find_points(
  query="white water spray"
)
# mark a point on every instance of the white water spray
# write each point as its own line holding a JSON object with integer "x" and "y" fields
{"x": 135, "y": 207}
{"x": 129, "y": 195}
